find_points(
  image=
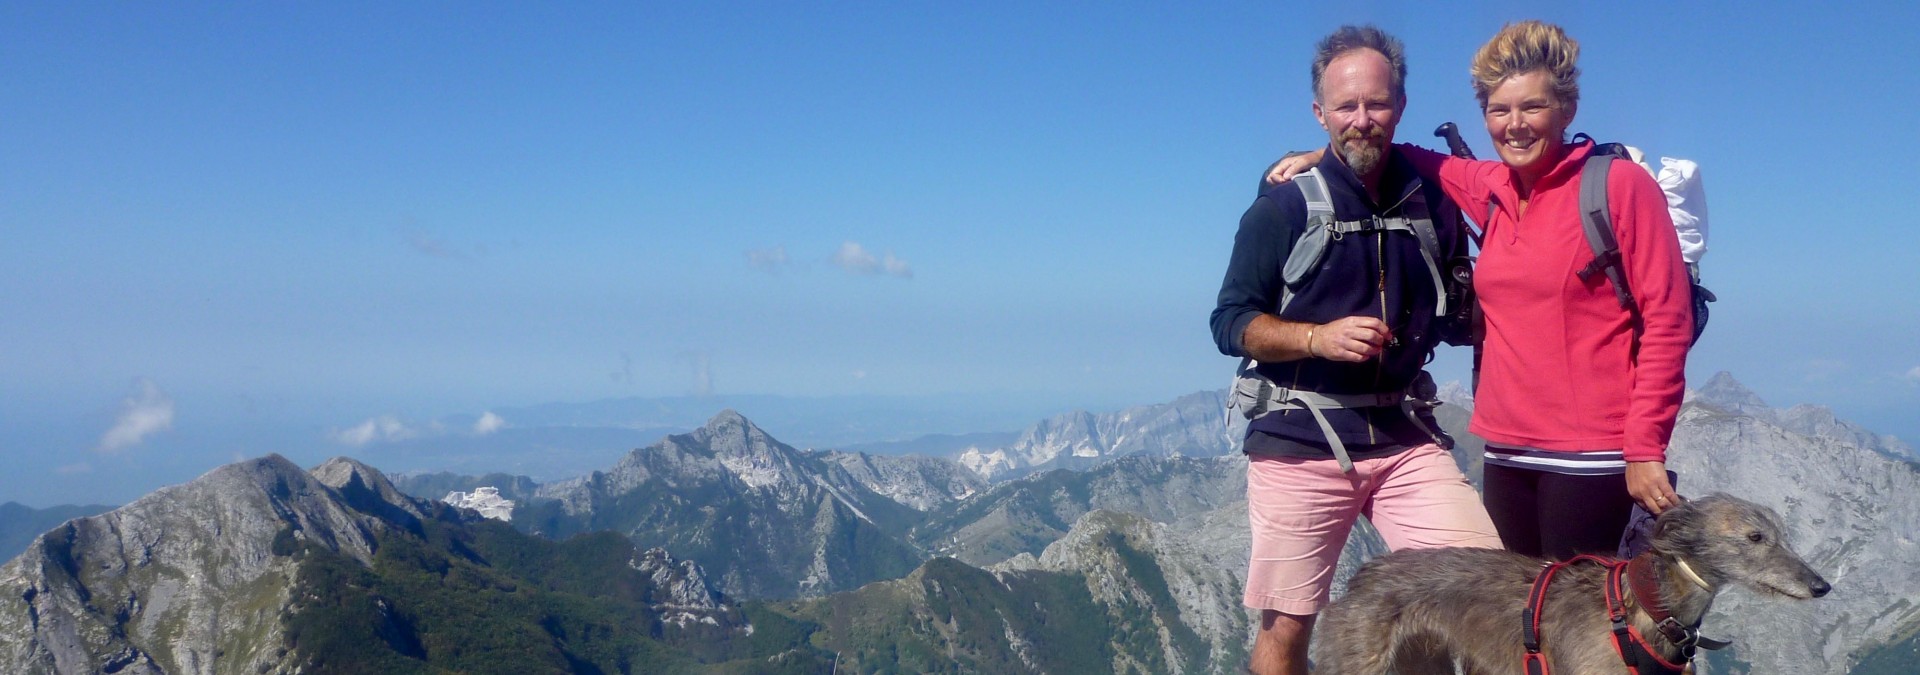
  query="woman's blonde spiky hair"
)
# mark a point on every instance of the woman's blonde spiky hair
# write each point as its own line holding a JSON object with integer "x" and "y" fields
{"x": 1526, "y": 47}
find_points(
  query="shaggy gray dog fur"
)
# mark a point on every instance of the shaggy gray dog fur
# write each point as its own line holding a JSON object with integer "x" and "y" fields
{"x": 1421, "y": 611}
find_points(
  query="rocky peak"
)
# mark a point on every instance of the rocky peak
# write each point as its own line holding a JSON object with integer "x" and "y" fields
{"x": 366, "y": 489}
{"x": 680, "y": 584}
{"x": 1723, "y": 392}
{"x": 190, "y": 575}
{"x": 1455, "y": 393}
{"x": 729, "y": 432}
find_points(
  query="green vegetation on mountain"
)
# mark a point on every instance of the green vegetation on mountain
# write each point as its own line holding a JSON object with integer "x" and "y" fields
{"x": 1140, "y": 630}
{"x": 483, "y": 598}
{"x": 948, "y": 617}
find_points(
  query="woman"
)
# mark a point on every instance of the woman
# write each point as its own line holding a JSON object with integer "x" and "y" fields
{"x": 1577, "y": 396}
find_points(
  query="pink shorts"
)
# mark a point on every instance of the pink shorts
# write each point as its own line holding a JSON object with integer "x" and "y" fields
{"x": 1302, "y": 510}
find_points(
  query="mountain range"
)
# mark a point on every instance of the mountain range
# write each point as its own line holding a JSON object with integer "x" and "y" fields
{"x": 1091, "y": 550}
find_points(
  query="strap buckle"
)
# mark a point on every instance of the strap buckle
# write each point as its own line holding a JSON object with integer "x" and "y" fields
{"x": 1680, "y": 634}
{"x": 1677, "y": 632}
{"x": 1598, "y": 264}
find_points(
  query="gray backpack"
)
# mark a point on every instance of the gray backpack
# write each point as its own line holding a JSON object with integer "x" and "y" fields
{"x": 1595, "y": 219}
{"x": 1254, "y": 394}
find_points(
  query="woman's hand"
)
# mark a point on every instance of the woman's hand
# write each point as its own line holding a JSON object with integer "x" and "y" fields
{"x": 1647, "y": 483}
{"x": 1294, "y": 164}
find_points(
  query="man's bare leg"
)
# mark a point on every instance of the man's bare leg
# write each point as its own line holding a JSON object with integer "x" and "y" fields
{"x": 1280, "y": 648}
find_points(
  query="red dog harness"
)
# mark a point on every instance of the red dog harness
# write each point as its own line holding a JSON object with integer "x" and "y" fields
{"x": 1640, "y": 657}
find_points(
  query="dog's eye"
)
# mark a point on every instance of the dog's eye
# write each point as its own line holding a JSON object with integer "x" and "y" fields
{"x": 1756, "y": 537}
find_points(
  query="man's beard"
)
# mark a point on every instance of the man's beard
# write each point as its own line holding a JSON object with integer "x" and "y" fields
{"x": 1360, "y": 150}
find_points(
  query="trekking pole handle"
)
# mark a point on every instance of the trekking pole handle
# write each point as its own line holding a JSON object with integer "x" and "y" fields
{"x": 1455, "y": 144}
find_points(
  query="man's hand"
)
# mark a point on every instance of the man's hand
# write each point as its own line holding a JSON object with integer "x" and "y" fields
{"x": 1270, "y": 339}
{"x": 1352, "y": 339}
{"x": 1294, "y": 164}
{"x": 1647, "y": 483}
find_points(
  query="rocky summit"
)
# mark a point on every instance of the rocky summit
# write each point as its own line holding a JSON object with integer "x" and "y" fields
{"x": 190, "y": 576}
{"x": 764, "y": 519}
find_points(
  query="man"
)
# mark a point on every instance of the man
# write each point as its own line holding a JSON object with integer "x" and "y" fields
{"x": 1340, "y": 331}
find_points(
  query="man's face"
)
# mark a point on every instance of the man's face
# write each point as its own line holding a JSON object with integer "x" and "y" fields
{"x": 1357, "y": 107}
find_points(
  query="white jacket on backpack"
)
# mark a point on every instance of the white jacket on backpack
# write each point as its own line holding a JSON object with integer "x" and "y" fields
{"x": 1686, "y": 201}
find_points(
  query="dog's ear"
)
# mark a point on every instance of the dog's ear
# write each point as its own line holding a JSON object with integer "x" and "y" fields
{"x": 1679, "y": 530}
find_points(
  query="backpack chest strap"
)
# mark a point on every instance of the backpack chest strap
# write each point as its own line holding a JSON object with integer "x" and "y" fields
{"x": 1323, "y": 228}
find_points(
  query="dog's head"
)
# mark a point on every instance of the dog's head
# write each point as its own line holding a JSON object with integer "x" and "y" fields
{"x": 1727, "y": 539}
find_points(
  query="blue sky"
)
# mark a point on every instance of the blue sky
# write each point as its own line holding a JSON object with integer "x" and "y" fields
{"x": 314, "y": 215}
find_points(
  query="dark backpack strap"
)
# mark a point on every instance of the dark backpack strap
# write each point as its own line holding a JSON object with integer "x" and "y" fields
{"x": 1420, "y": 220}
{"x": 1476, "y": 321}
{"x": 1536, "y": 662}
{"x": 1598, "y": 223}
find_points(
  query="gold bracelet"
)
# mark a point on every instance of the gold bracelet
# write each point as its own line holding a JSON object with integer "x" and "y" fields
{"x": 1310, "y": 353}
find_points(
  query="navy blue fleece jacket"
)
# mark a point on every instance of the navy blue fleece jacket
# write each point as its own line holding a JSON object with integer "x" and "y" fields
{"x": 1378, "y": 274}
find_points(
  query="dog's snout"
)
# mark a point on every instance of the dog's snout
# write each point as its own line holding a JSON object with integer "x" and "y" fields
{"x": 1819, "y": 587}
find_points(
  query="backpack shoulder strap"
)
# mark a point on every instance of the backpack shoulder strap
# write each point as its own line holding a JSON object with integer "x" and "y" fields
{"x": 1420, "y": 220}
{"x": 1595, "y": 219}
{"x": 1310, "y": 247}
{"x": 1313, "y": 187}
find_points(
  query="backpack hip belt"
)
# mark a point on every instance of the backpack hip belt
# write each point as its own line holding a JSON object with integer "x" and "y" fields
{"x": 1255, "y": 395}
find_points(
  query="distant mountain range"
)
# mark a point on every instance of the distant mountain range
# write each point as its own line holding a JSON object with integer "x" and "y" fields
{"x": 1190, "y": 426}
{"x": 260, "y": 567}
{"x": 1094, "y": 550}
{"x": 766, "y": 520}
{"x": 818, "y": 422}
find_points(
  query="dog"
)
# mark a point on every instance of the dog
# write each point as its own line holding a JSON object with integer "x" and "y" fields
{"x": 1430, "y": 610}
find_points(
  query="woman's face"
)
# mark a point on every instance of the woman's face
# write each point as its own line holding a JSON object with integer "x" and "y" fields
{"x": 1527, "y": 123}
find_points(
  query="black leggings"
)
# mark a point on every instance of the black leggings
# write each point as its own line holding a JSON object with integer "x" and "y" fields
{"x": 1546, "y": 514}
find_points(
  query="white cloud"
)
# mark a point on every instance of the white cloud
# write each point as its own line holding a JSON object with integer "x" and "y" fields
{"x": 896, "y": 267}
{"x": 855, "y": 258}
{"x": 769, "y": 260}
{"x": 146, "y": 412}
{"x": 488, "y": 423}
{"x": 385, "y": 428}
{"x": 1914, "y": 375}
{"x": 71, "y": 469}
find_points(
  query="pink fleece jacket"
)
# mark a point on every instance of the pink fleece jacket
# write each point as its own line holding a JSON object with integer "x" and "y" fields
{"x": 1563, "y": 368}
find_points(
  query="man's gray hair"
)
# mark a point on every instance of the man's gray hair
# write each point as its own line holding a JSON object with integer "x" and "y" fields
{"x": 1349, "y": 38}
